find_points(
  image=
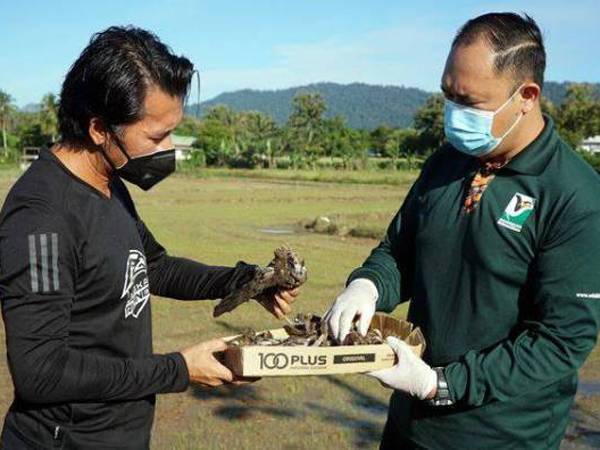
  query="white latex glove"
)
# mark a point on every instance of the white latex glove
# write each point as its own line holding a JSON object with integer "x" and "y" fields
{"x": 411, "y": 374}
{"x": 358, "y": 299}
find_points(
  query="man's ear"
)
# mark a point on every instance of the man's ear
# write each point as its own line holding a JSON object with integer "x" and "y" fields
{"x": 98, "y": 132}
{"x": 530, "y": 94}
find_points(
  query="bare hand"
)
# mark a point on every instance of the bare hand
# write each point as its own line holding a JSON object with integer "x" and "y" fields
{"x": 202, "y": 365}
{"x": 280, "y": 302}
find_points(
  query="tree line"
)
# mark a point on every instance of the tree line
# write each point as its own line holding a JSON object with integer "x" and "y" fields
{"x": 248, "y": 139}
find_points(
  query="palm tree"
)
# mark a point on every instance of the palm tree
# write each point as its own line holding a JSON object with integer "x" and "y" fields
{"x": 262, "y": 129}
{"x": 306, "y": 124}
{"x": 6, "y": 109}
{"x": 231, "y": 120}
{"x": 49, "y": 116}
{"x": 307, "y": 114}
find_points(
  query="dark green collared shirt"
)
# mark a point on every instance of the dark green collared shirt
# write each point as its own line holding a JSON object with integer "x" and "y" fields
{"x": 508, "y": 296}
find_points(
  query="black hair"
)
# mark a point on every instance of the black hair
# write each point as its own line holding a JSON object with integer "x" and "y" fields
{"x": 110, "y": 79}
{"x": 516, "y": 41}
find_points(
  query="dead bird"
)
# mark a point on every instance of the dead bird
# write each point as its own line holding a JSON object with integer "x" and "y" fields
{"x": 308, "y": 330}
{"x": 285, "y": 271}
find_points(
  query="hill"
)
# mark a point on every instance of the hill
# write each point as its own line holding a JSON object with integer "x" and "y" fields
{"x": 362, "y": 105}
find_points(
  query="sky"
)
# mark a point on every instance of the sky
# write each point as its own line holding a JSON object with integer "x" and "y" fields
{"x": 261, "y": 44}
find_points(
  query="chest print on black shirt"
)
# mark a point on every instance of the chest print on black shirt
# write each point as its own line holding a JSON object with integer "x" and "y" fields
{"x": 136, "y": 290}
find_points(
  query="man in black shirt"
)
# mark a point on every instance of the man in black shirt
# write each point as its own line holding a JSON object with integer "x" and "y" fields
{"x": 78, "y": 264}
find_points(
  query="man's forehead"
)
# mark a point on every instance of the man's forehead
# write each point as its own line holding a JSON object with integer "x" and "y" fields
{"x": 470, "y": 70}
{"x": 162, "y": 111}
{"x": 161, "y": 121}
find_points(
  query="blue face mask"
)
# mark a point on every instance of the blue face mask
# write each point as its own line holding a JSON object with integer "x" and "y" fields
{"x": 469, "y": 130}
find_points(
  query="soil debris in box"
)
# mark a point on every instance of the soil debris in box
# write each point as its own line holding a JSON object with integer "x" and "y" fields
{"x": 310, "y": 330}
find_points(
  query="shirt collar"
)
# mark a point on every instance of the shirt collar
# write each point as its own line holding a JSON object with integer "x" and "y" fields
{"x": 534, "y": 158}
{"x": 46, "y": 154}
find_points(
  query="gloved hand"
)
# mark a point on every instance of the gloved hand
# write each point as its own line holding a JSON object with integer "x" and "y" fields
{"x": 358, "y": 299}
{"x": 411, "y": 374}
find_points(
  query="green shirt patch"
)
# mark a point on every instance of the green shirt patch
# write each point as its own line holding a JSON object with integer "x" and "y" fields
{"x": 517, "y": 211}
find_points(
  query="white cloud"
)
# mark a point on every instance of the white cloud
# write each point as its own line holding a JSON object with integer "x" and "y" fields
{"x": 410, "y": 55}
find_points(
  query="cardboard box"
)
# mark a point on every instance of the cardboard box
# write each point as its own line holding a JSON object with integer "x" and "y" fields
{"x": 269, "y": 361}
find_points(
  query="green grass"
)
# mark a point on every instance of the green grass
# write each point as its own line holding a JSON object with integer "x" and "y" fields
{"x": 217, "y": 220}
{"x": 388, "y": 177}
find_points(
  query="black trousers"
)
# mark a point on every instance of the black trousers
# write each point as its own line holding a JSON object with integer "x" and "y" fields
{"x": 11, "y": 441}
{"x": 392, "y": 439}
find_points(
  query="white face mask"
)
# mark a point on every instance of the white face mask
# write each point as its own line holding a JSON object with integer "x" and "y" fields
{"x": 469, "y": 130}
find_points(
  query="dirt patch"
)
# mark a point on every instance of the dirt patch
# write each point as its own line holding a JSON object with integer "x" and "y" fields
{"x": 368, "y": 226}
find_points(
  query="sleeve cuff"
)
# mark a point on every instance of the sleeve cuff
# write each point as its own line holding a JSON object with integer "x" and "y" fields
{"x": 456, "y": 377}
{"x": 182, "y": 376}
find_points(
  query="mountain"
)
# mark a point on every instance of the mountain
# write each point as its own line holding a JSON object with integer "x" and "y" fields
{"x": 556, "y": 91}
{"x": 362, "y": 105}
{"x": 31, "y": 108}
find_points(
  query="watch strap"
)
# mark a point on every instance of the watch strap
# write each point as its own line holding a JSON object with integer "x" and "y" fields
{"x": 442, "y": 395}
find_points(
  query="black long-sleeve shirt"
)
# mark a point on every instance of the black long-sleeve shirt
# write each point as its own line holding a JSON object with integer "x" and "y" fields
{"x": 76, "y": 272}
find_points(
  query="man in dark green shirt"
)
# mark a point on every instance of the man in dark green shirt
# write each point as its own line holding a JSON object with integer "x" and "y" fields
{"x": 498, "y": 246}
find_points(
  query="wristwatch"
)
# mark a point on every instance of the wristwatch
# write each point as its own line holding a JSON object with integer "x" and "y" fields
{"x": 442, "y": 394}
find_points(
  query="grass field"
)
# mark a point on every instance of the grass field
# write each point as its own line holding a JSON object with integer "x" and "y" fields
{"x": 217, "y": 219}
{"x": 387, "y": 177}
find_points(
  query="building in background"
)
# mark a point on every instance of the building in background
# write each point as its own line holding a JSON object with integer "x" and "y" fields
{"x": 591, "y": 144}
{"x": 183, "y": 146}
{"x": 29, "y": 155}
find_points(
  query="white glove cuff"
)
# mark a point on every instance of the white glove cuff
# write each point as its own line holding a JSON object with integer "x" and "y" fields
{"x": 429, "y": 383}
{"x": 366, "y": 287}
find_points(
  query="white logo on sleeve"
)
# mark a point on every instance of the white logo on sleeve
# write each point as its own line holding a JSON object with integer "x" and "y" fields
{"x": 595, "y": 295}
{"x": 136, "y": 289}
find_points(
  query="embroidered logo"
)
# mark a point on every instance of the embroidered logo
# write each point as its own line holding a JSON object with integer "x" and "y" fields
{"x": 516, "y": 212}
{"x": 136, "y": 289}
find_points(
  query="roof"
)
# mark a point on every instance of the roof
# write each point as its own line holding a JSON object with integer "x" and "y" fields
{"x": 591, "y": 140}
{"x": 182, "y": 141}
